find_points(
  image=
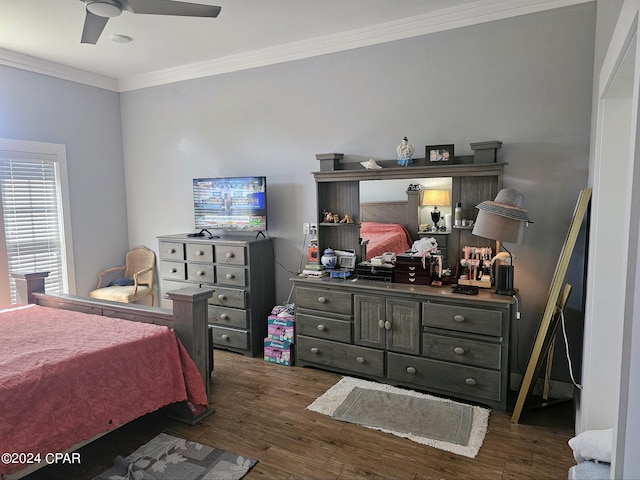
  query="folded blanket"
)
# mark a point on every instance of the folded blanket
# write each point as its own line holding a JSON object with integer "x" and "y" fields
{"x": 593, "y": 445}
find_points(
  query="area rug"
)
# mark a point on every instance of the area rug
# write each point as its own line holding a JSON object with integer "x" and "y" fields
{"x": 167, "y": 458}
{"x": 440, "y": 423}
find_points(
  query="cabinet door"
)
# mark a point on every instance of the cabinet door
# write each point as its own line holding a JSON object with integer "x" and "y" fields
{"x": 402, "y": 326}
{"x": 369, "y": 321}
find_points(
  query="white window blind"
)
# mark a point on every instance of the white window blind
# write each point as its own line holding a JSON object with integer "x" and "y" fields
{"x": 33, "y": 223}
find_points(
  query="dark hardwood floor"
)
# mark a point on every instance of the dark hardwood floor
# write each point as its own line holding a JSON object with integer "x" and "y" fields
{"x": 261, "y": 413}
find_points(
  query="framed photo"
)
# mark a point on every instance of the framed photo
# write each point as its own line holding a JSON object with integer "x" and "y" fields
{"x": 439, "y": 154}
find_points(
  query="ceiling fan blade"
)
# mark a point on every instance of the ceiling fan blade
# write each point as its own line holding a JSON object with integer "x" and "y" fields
{"x": 93, "y": 27}
{"x": 168, "y": 7}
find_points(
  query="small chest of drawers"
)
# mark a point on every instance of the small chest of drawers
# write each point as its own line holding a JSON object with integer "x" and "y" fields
{"x": 410, "y": 270}
{"x": 240, "y": 272}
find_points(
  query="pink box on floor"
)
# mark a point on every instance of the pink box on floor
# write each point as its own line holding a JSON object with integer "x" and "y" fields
{"x": 276, "y": 351}
{"x": 280, "y": 328}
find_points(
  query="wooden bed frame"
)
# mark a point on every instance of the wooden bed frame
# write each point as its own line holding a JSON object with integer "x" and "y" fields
{"x": 391, "y": 212}
{"x": 189, "y": 319}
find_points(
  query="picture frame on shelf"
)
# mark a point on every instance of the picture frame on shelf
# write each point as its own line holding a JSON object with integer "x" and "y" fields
{"x": 439, "y": 154}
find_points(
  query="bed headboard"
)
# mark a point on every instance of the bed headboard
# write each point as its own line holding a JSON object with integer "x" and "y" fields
{"x": 391, "y": 212}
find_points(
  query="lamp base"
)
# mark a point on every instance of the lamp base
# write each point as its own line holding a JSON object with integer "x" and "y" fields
{"x": 504, "y": 280}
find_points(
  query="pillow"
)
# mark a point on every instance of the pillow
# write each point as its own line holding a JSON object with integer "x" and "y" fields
{"x": 593, "y": 445}
{"x": 121, "y": 282}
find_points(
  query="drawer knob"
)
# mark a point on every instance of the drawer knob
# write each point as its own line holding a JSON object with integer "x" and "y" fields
{"x": 470, "y": 381}
{"x": 199, "y": 253}
{"x": 171, "y": 250}
{"x": 174, "y": 270}
{"x": 230, "y": 276}
{"x": 321, "y": 327}
{"x": 411, "y": 370}
{"x": 322, "y": 300}
{"x": 222, "y": 297}
{"x": 200, "y": 273}
{"x": 387, "y": 325}
{"x": 458, "y": 350}
{"x": 224, "y": 316}
{"x": 224, "y": 337}
{"x": 360, "y": 359}
{"x": 381, "y": 323}
{"x": 458, "y": 318}
{"x": 314, "y": 350}
{"x": 229, "y": 255}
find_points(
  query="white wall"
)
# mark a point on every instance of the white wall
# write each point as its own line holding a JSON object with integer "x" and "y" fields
{"x": 526, "y": 81}
{"x": 39, "y": 108}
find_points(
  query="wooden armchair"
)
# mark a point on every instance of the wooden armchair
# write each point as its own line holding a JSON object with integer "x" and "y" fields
{"x": 133, "y": 281}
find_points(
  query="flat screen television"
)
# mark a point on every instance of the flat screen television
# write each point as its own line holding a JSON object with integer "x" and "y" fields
{"x": 230, "y": 203}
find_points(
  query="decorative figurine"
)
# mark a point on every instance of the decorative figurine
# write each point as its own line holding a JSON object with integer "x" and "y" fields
{"x": 405, "y": 153}
{"x": 370, "y": 164}
{"x": 347, "y": 219}
{"x": 328, "y": 217}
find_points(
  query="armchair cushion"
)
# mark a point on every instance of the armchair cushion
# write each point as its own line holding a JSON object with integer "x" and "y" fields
{"x": 120, "y": 293}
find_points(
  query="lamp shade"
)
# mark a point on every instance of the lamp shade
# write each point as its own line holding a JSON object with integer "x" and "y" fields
{"x": 436, "y": 197}
{"x": 497, "y": 227}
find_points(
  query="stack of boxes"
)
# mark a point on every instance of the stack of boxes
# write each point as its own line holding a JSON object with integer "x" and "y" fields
{"x": 278, "y": 346}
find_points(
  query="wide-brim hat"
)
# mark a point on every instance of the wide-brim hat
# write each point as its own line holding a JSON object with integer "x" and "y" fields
{"x": 508, "y": 203}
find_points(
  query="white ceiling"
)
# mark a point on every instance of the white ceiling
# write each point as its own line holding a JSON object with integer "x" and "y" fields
{"x": 34, "y": 33}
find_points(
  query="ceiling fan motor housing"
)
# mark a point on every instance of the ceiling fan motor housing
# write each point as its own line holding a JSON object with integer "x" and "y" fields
{"x": 104, "y": 8}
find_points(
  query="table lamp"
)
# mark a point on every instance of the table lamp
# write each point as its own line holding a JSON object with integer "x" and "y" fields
{"x": 435, "y": 198}
{"x": 503, "y": 219}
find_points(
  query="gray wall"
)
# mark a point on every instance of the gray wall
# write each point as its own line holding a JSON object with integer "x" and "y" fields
{"x": 39, "y": 108}
{"x": 526, "y": 81}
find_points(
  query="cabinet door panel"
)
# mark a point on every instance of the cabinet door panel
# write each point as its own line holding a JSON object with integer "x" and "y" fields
{"x": 404, "y": 334}
{"x": 369, "y": 321}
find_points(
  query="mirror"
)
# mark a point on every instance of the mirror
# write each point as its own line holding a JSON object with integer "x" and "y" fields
{"x": 395, "y": 190}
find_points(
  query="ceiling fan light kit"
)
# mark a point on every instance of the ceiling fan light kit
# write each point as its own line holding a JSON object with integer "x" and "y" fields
{"x": 98, "y": 12}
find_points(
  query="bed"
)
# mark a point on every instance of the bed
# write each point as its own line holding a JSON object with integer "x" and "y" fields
{"x": 73, "y": 368}
{"x": 384, "y": 227}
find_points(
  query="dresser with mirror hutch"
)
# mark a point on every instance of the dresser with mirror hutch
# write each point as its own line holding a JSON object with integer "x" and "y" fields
{"x": 417, "y": 336}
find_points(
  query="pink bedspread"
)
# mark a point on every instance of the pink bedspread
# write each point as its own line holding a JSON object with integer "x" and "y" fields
{"x": 385, "y": 237}
{"x": 67, "y": 376}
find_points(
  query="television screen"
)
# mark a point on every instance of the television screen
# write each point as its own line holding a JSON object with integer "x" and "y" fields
{"x": 230, "y": 203}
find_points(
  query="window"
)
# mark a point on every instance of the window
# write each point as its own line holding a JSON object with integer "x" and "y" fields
{"x": 35, "y": 215}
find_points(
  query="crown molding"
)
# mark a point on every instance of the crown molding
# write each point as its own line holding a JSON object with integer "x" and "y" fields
{"x": 474, "y": 13}
{"x": 58, "y": 70}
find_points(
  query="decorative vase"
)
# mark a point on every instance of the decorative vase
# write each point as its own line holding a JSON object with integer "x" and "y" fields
{"x": 329, "y": 259}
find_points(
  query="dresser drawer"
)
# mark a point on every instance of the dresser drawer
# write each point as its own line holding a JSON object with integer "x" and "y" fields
{"x": 231, "y": 276}
{"x": 359, "y": 360}
{"x": 171, "y": 250}
{"x": 322, "y": 327}
{"x": 228, "y": 297}
{"x": 171, "y": 286}
{"x": 172, "y": 270}
{"x": 461, "y": 350}
{"x": 451, "y": 378}
{"x": 228, "y": 317}
{"x": 324, "y": 300}
{"x": 230, "y": 255}
{"x": 462, "y": 319}
{"x": 197, "y": 252}
{"x": 228, "y": 337}
{"x": 200, "y": 272}
{"x": 411, "y": 278}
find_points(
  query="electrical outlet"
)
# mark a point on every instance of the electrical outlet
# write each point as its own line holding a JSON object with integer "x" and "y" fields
{"x": 313, "y": 228}
{"x": 305, "y": 228}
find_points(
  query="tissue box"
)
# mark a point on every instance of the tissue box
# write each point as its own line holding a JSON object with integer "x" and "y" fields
{"x": 276, "y": 351}
{"x": 280, "y": 328}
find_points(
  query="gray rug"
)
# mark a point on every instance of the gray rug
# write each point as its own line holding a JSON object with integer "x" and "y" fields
{"x": 168, "y": 458}
{"x": 419, "y": 417}
{"x": 422, "y": 416}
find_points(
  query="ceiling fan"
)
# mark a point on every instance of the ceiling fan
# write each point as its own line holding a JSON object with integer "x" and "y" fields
{"x": 99, "y": 12}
